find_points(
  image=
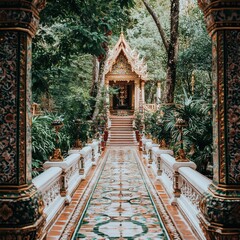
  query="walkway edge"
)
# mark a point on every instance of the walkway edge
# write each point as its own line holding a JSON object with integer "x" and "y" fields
{"x": 165, "y": 217}
{"x": 72, "y": 224}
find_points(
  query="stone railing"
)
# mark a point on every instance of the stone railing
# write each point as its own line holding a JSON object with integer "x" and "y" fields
{"x": 49, "y": 185}
{"x": 150, "y": 107}
{"x": 192, "y": 186}
{"x": 184, "y": 185}
{"x": 59, "y": 181}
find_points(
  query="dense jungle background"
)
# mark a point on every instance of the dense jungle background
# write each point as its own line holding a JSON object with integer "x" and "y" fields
{"x": 69, "y": 53}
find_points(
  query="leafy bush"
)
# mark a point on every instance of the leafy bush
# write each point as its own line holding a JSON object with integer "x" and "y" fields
{"x": 44, "y": 140}
{"x": 197, "y": 135}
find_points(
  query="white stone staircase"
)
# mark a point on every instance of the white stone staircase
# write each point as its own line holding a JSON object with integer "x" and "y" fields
{"x": 121, "y": 132}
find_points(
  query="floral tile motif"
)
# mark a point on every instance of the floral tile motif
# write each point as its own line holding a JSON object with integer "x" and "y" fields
{"x": 120, "y": 206}
{"x": 8, "y": 107}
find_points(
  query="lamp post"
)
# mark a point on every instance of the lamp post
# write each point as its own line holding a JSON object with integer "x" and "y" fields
{"x": 57, "y": 156}
{"x": 181, "y": 156}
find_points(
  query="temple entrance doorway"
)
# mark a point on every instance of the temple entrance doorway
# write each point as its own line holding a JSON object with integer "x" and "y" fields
{"x": 123, "y": 99}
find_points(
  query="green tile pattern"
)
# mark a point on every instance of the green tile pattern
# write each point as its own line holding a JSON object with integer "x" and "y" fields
{"x": 120, "y": 206}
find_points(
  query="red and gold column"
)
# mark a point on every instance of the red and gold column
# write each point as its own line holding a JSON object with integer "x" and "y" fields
{"x": 143, "y": 91}
{"x": 220, "y": 207}
{"x": 21, "y": 207}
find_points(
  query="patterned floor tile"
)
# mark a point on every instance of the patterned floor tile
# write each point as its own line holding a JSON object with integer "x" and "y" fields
{"x": 120, "y": 206}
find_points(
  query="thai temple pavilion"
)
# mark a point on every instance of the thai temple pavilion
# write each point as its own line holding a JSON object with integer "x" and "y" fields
{"x": 121, "y": 186}
{"x": 125, "y": 71}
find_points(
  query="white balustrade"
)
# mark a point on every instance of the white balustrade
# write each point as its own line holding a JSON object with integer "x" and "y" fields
{"x": 86, "y": 160}
{"x": 184, "y": 185}
{"x": 49, "y": 184}
{"x": 152, "y": 107}
{"x": 192, "y": 186}
{"x": 156, "y": 159}
{"x": 60, "y": 179}
{"x": 144, "y": 142}
{"x": 95, "y": 151}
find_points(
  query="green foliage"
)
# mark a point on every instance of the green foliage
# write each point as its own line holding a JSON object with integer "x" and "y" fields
{"x": 101, "y": 119}
{"x": 195, "y": 52}
{"x": 197, "y": 135}
{"x": 84, "y": 25}
{"x": 156, "y": 124}
{"x": 138, "y": 120}
{"x": 72, "y": 31}
{"x": 44, "y": 141}
{"x": 144, "y": 37}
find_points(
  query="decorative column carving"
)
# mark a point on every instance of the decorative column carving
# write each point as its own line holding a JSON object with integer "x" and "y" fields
{"x": 137, "y": 93}
{"x": 220, "y": 207}
{"x": 21, "y": 207}
{"x": 143, "y": 91}
{"x": 107, "y": 93}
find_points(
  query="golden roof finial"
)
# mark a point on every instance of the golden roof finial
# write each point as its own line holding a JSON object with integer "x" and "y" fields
{"x": 122, "y": 34}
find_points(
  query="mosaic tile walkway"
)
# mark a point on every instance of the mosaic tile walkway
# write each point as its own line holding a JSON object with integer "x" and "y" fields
{"x": 120, "y": 206}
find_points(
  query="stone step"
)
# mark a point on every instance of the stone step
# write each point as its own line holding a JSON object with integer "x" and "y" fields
{"x": 121, "y": 135}
{"x": 120, "y": 122}
{"x": 122, "y": 141}
{"x": 121, "y": 132}
{"x": 123, "y": 129}
{"x": 122, "y": 144}
{"x": 121, "y": 125}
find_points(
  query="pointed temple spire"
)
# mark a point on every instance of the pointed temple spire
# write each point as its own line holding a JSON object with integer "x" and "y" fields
{"x": 133, "y": 57}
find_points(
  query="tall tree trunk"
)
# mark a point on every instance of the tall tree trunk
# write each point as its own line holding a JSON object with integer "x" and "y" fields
{"x": 101, "y": 80}
{"x": 95, "y": 76}
{"x": 170, "y": 46}
{"x": 158, "y": 24}
{"x": 168, "y": 96}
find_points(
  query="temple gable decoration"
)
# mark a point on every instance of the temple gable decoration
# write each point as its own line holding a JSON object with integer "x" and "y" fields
{"x": 125, "y": 71}
{"x": 122, "y": 55}
{"x": 122, "y": 66}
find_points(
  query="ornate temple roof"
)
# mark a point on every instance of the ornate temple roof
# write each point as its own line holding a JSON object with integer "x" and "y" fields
{"x": 132, "y": 56}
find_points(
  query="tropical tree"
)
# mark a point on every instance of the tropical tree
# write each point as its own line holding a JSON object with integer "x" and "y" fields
{"x": 171, "y": 46}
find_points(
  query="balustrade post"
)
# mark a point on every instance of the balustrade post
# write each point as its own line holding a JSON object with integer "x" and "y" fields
{"x": 63, "y": 190}
{"x": 220, "y": 206}
{"x": 159, "y": 166}
{"x": 150, "y": 157}
{"x": 93, "y": 157}
{"x": 176, "y": 187}
{"x": 99, "y": 148}
{"x": 21, "y": 206}
{"x": 82, "y": 163}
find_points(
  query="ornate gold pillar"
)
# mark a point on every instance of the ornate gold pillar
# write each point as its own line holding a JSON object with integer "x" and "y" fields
{"x": 21, "y": 206}
{"x": 133, "y": 97}
{"x": 107, "y": 94}
{"x": 143, "y": 91}
{"x": 220, "y": 207}
{"x": 137, "y": 93}
{"x": 158, "y": 92}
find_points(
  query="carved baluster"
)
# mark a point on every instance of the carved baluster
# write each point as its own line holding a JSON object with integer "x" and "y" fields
{"x": 176, "y": 188}
{"x": 63, "y": 189}
{"x": 159, "y": 164}
{"x": 150, "y": 156}
{"x": 93, "y": 156}
{"x": 82, "y": 163}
